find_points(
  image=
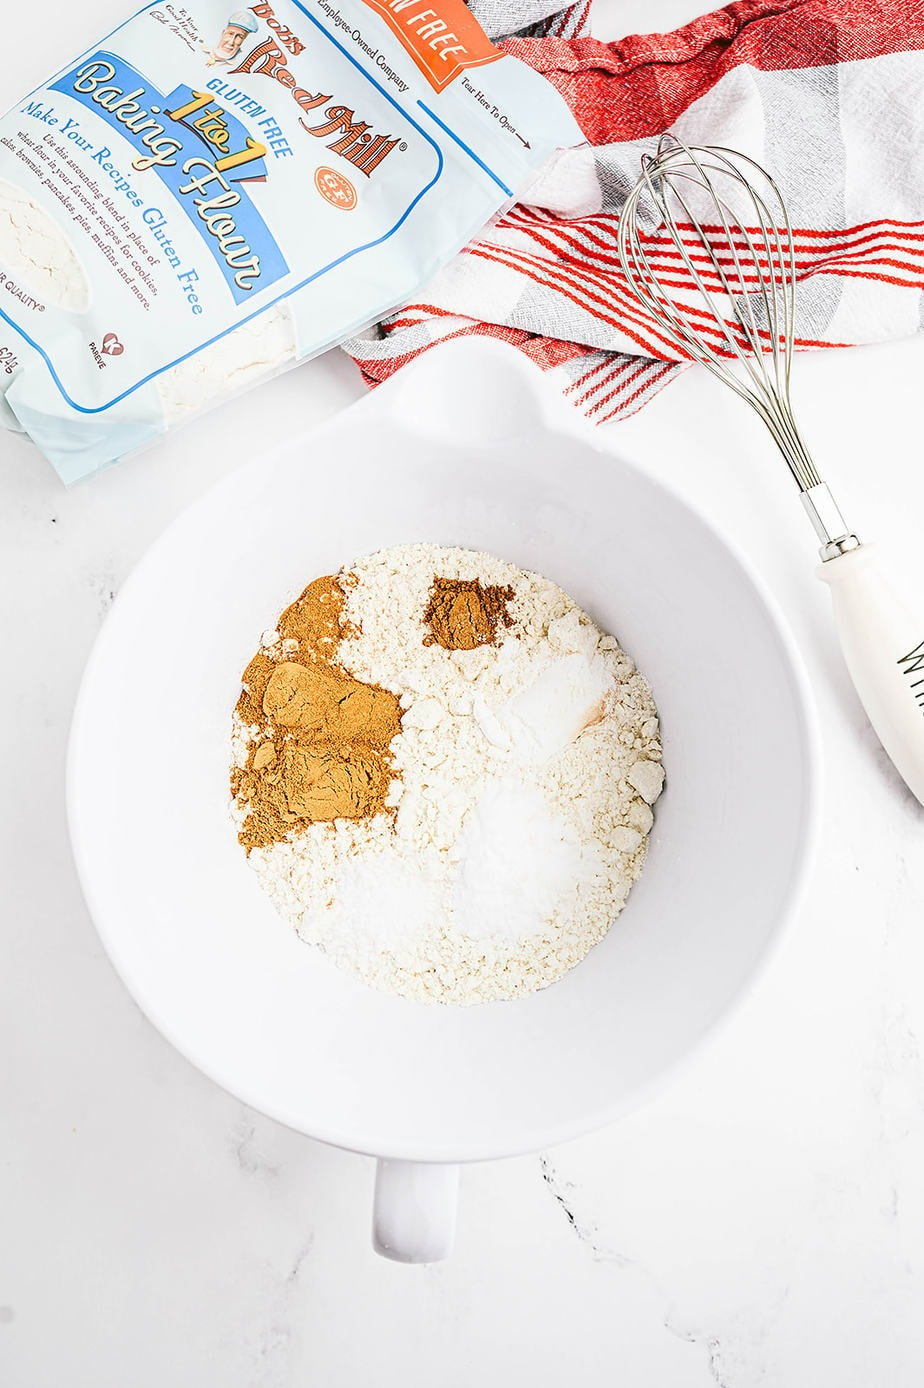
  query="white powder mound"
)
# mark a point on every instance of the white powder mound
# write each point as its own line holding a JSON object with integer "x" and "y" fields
{"x": 382, "y": 899}
{"x": 519, "y": 862}
{"x": 548, "y": 714}
{"x": 37, "y": 254}
{"x": 252, "y": 353}
{"x": 521, "y": 806}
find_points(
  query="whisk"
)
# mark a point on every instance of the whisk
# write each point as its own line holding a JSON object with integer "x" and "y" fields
{"x": 723, "y": 291}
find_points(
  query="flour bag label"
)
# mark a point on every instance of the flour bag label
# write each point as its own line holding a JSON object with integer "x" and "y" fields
{"x": 211, "y": 195}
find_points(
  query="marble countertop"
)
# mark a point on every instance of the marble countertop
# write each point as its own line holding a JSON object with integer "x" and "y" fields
{"x": 760, "y": 1222}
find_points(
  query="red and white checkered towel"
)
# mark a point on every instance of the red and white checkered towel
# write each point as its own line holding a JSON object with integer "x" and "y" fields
{"x": 827, "y": 94}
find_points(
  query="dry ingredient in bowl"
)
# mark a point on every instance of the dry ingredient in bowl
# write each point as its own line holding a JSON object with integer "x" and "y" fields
{"x": 319, "y": 740}
{"x": 443, "y": 773}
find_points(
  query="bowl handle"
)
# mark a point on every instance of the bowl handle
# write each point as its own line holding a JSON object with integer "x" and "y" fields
{"x": 414, "y": 1216}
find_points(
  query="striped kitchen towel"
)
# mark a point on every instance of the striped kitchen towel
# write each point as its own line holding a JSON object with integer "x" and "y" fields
{"x": 827, "y": 94}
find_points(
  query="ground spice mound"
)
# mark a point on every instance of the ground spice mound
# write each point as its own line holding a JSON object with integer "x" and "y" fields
{"x": 464, "y": 613}
{"x": 319, "y": 739}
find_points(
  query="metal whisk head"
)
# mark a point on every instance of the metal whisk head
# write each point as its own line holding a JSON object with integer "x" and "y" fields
{"x": 706, "y": 245}
{"x": 733, "y": 255}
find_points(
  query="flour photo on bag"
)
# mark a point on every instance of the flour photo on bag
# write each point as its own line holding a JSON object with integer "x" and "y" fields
{"x": 231, "y": 38}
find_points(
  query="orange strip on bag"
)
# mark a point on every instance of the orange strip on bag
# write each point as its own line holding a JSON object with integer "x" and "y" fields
{"x": 442, "y": 36}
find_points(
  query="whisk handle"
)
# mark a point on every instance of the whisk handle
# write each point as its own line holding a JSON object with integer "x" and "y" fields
{"x": 883, "y": 645}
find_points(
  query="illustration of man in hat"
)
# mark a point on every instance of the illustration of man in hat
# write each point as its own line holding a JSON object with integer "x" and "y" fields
{"x": 232, "y": 36}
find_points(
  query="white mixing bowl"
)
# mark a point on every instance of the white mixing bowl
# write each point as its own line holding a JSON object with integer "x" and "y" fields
{"x": 468, "y": 447}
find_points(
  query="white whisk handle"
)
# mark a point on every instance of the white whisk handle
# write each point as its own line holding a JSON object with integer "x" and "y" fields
{"x": 883, "y": 645}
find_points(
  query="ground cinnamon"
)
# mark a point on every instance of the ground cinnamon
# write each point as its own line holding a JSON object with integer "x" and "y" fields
{"x": 463, "y": 614}
{"x": 319, "y": 738}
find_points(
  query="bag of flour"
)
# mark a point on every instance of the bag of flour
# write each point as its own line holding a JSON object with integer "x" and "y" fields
{"x": 212, "y": 194}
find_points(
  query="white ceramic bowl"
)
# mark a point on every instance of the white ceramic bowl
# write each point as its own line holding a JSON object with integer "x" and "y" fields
{"x": 467, "y": 447}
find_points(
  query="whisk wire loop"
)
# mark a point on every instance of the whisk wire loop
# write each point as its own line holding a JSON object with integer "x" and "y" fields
{"x": 747, "y": 260}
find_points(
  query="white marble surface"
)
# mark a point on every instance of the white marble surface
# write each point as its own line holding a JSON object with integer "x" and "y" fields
{"x": 761, "y": 1222}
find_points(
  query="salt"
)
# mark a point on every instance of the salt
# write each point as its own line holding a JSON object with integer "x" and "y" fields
{"x": 381, "y": 901}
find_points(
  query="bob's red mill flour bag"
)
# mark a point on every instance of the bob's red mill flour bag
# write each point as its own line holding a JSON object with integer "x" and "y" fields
{"x": 210, "y": 195}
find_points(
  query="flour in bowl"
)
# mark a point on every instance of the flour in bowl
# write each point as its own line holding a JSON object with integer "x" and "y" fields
{"x": 443, "y": 773}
